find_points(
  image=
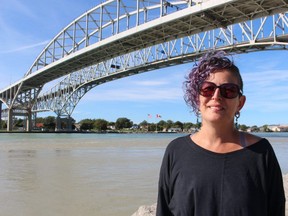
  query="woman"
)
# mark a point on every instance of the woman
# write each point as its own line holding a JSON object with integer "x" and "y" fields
{"x": 219, "y": 171}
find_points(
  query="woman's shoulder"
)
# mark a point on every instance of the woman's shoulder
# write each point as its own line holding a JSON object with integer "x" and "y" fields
{"x": 257, "y": 142}
{"x": 178, "y": 142}
{"x": 252, "y": 139}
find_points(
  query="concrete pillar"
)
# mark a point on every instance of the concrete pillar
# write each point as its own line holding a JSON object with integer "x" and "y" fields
{"x": 10, "y": 120}
{"x": 58, "y": 123}
{"x": 33, "y": 120}
{"x": 69, "y": 123}
{"x": 29, "y": 121}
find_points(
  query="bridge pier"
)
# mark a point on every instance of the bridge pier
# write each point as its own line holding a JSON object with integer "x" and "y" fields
{"x": 27, "y": 114}
{"x": 29, "y": 121}
{"x": 10, "y": 120}
{"x": 58, "y": 124}
{"x": 67, "y": 123}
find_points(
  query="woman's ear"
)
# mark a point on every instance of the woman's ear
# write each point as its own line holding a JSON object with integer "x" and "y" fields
{"x": 242, "y": 101}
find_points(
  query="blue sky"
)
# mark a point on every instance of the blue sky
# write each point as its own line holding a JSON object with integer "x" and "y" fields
{"x": 27, "y": 26}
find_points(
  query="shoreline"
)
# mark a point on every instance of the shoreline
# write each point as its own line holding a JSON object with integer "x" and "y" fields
{"x": 121, "y": 132}
{"x": 96, "y": 132}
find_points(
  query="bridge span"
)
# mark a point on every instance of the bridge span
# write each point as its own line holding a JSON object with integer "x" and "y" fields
{"x": 120, "y": 38}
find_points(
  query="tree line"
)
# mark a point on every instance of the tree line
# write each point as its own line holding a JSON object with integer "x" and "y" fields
{"x": 125, "y": 123}
{"x": 49, "y": 123}
{"x": 121, "y": 123}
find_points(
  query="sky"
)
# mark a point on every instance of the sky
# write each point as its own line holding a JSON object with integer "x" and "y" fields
{"x": 28, "y": 26}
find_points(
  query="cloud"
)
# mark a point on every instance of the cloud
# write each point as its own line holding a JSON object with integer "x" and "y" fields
{"x": 146, "y": 87}
{"x": 266, "y": 75}
{"x": 266, "y": 90}
{"x": 17, "y": 7}
{"x": 17, "y": 31}
{"x": 10, "y": 25}
{"x": 135, "y": 94}
{"x": 25, "y": 47}
{"x": 151, "y": 83}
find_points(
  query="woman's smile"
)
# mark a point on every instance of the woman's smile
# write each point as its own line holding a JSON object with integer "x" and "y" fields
{"x": 216, "y": 107}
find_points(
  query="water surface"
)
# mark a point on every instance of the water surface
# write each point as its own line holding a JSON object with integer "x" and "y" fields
{"x": 86, "y": 174}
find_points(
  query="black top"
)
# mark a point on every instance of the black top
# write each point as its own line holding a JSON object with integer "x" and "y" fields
{"x": 197, "y": 182}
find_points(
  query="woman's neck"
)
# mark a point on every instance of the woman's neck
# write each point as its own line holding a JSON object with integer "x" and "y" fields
{"x": 220, "y": 131}
{"x": 218, "y": 139}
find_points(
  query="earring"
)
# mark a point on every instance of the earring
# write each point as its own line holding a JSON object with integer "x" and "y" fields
{"x": 237, "y": 116}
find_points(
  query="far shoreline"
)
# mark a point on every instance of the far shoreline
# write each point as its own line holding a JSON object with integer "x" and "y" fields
{"x": 124, "y": 132}
{"x": 96, "y": 132}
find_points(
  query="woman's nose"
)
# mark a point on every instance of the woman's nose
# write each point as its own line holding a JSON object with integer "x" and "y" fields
{"x": 217, "y": 94}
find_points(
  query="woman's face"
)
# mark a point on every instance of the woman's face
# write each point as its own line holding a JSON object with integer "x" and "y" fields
{"x": 218, "y": 109}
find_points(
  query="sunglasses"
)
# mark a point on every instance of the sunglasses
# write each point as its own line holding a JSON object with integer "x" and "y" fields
{"x": 227, "y": 90}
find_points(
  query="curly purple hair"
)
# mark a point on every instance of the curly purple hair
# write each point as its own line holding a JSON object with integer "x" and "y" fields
{"x": 209, "y": 63}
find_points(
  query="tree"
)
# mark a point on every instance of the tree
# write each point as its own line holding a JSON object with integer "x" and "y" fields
{"x": 161, "y": 125}
{"x": 188, "y": 125}
{"x": 169, "y": 124}
{"x": 144, "y": 125}
{"x": 19, "y": 122}
{"x": 152, "y": 127}
{"x": 2, "y": 124}
{"x": 254, "y": 128}
{"x": 111, "y": 123}
{"x": 178, "y": 124}
{"x": 198, "y": 124}
{"x": 40, "y": 120}
{"x": 86, "y": 124}
{"x": 100, "y": 124}
{"x": 123, "y": 123}
{"x": 243, "y": 127}
{"x": 50, "y": 122}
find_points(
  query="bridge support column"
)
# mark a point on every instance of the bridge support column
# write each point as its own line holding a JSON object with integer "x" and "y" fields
{"x": 69, "y": 123}
{"x": 58, "y": 123}
{"x": 10, "y": 120}
{"x": 65, "y": 122}
{"x": 29, "y": 121}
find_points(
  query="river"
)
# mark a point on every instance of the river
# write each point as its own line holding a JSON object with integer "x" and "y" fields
{"x": 87, "y": 174}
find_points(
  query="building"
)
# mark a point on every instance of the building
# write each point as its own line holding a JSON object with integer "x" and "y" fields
{"x": 174, "y": 130}
{"x": 278, "y": 128}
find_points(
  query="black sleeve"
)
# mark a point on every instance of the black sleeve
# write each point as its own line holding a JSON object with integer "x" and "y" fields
{"x": 162, "y": 204}
{"x": 275, "y": 189}
{"x": 163, "y": 187}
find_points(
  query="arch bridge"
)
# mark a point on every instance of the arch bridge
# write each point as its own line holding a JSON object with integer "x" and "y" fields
{"x": 120, "y": 38}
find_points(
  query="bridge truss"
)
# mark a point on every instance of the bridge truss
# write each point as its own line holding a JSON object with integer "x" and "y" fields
{"x": 267, "y": 33}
